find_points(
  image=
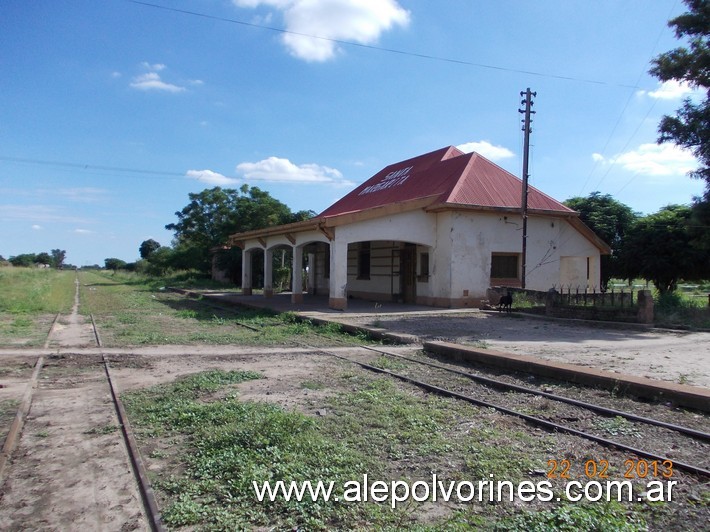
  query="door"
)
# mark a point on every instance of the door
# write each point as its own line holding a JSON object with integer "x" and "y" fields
{"x": 408, "y": 273}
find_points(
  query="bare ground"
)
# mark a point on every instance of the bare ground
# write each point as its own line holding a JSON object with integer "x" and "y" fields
{"x": 677, "y": 356}
{"x": 71, "y": 471}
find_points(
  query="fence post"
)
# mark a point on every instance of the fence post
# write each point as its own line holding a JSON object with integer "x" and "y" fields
{"x": 645, "y": 302}
{"x": 551, "y": 301}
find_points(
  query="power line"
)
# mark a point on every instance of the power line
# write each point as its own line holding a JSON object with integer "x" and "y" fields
{"x": 618, "y": 121}
{"x": 93, "y": 168}
{"x": 383, "y": 49}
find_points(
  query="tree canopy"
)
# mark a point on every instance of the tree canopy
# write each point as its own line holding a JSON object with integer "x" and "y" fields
{"x": 690, "y": 127}
{"x": 148, "y": 247}
{"x": 658, "y": 248}
{"x": 611, "y": 220}
{"x": 214, "y": 214}
{"x": 114, "y": 264}
{"x": 58, "y": 256}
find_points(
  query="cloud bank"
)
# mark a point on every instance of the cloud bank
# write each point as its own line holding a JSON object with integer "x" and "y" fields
{"x": 656, "y": 160}
{"x": 314, "y": 25}
{"x": 274, "y": 170}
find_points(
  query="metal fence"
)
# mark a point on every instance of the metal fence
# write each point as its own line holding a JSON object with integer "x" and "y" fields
{"x": 586, "y": 296}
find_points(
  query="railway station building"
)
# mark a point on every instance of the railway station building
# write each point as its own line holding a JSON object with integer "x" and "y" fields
{"x": 438, "y": 229}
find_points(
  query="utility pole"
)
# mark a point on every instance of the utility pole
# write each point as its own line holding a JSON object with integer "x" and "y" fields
{"x": 527, "y": 111}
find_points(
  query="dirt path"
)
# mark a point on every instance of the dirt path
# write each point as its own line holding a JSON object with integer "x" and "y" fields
{"x": 73, "y": 330}
{"x": 71, "y": 470}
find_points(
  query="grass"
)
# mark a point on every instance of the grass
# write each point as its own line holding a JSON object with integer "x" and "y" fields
{"x": 8, "y": 410}
{"x": 209, "y": 446}
{"x": 29, "y": 299}
{"x": 615, "y": 426}
{"x": 31, "y": 291}
{"x": 133, "y": 310}
{"x": 683, "y": 308}
{"x": 230, "y": 443}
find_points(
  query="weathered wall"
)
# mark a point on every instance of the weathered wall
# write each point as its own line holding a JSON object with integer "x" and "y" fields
{"x": 477, "y": 236}
{"x": 460, "y": 246}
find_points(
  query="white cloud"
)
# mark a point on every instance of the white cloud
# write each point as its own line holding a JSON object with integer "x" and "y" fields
{"x": 360, "y": 21}
{"x": 84, "y": 232}
{"x": 670, "y": 90}
{"x": 488, "y": 150}
{"x": 151, "y": 82}
{"x": 276, "y": 169}
{"x": 157, "y": 67}
{"x": 655, "y": 160}
{"x": 597, "y": 157}
{"x": 211, "y": 178}
{"x": 37, "y": 227}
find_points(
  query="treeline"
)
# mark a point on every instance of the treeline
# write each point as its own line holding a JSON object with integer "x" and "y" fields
{"x": 53, "y": 259}
{"x": 203, "y": 226}
{"x": 664, "y": 248}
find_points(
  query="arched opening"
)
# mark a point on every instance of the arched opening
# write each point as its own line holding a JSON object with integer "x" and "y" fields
{"x": 388, "y": 270}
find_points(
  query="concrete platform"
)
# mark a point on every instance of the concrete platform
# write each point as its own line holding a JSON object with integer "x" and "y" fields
{"x": 316, "y": 309}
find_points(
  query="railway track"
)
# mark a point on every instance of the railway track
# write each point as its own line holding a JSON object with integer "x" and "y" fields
{"x": 654, "y": 440}
{"x": 44, "y": 395}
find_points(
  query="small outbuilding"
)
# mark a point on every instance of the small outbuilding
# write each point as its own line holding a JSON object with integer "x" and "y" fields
{"x": 438, "y": 229}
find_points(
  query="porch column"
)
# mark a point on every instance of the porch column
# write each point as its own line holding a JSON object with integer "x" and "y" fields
{"x": 268, "y": 275}
{"x": 246, "y": 273}
{"x": 297, "y": 275}
{"x": 338, "y": 275}
{"x": 312, "y": 274}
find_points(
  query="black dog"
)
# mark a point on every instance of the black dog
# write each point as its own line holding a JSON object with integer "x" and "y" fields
{"x": 506, "y": 303}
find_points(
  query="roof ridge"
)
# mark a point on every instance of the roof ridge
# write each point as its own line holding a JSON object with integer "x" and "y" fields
{"x": 462, "y": 178}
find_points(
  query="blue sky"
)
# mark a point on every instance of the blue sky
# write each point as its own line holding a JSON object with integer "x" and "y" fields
{"x": 113, "y": 111}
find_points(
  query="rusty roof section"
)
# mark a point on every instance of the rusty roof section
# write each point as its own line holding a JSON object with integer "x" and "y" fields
{"x": 450, "y": 178}
{"x": 444, "y": 179}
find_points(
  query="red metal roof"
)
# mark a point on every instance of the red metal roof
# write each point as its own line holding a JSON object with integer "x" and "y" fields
{"x": 450, "y": 178}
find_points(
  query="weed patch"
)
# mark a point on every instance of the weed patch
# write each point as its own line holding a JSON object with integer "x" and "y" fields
{"x": 229, "y": 444}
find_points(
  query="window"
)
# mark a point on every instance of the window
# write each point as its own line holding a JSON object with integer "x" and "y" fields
{"x": 363, "y": 260}
{"x": 504, "y": 266}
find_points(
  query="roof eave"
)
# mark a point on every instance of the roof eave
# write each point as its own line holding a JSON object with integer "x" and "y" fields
{"x": 380, "y": 211}
{"x": 237, "y": 239}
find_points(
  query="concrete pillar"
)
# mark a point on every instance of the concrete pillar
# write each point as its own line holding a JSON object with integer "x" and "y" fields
{"x": 645, "y": 303}
{"x": 312, "y": 273}
{"x": 268, "y": 273}
{"x": 246, "y": 273}
{"x": 338, "y": 275}
{"x": 297, "y": 275}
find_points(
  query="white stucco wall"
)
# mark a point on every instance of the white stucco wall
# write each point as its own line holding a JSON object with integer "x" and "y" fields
{"x": 460, "y": 246}
{"x": 479, "y": 235}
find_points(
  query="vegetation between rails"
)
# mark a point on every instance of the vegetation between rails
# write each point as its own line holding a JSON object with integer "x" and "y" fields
{"x": 131, "y": 309}
{"x": 29, "y": 299}
{"x": 209, "y": 447}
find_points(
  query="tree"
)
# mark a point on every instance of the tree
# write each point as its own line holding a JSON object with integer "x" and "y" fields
{"x": 690, "y": 127}
{"x": 148, "y": 247}
{"x": 24, "y": 259}
{"x": 58, "y": 256}
{"x": 658, "y": 248}
{"x": 213, "y": 214}
{"x": 611, "y": 220}
{"x": 114, "y": 264}
{"x": 43, "y": 258}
